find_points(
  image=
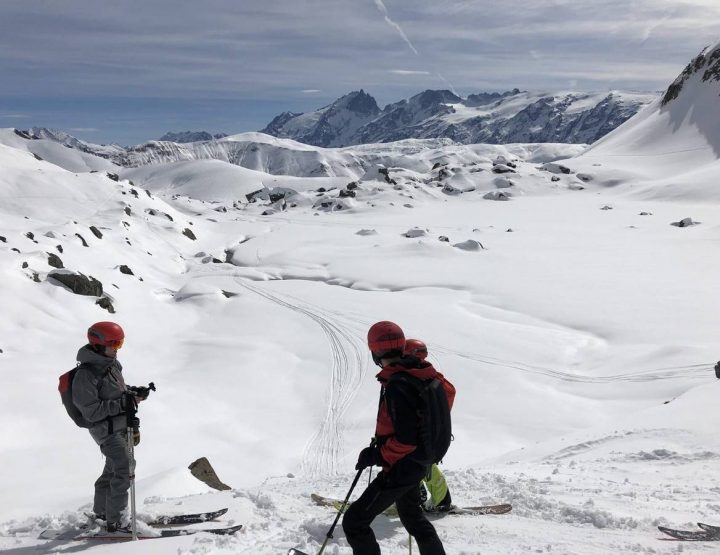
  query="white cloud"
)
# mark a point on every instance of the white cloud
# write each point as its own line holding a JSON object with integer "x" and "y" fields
{"x": 310, "y": 91}
{"x": 407, "y": 72}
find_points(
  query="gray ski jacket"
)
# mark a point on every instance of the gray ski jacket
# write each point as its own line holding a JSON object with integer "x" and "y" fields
{"x": 97, "y": 391}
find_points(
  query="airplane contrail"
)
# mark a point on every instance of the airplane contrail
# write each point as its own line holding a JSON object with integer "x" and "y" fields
{"x": 384, "y": 12}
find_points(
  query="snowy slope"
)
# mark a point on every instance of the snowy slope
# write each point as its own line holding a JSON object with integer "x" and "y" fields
{"x": 672, "y": 148}
{"x": 578, "y": 325}
{"x": 69, "y": 157}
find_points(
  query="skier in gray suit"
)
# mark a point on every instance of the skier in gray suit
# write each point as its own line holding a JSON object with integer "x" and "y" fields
{"x": 100, "y": 394}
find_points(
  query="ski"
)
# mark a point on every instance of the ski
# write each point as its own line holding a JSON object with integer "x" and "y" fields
{"x": 176, "y": 520}
{"x": 499, "y": 509}
{"x": 197, "y": 518}
{"x": 708, "y": 533}
{"x": 709, "y": 527}
{"x": 161, "y": 534}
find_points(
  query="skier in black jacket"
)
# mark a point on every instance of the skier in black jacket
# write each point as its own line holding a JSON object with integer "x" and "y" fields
{"x": 396, "y": 449}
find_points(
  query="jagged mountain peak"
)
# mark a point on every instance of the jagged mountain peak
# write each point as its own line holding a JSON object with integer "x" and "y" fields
{"x": 707, "y": 62}
{"x": 431, "y": 97}
{"x": 359, "y": 102}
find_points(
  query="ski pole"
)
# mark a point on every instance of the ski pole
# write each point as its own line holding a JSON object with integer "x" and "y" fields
{"x": 329, "y": 535}
{"x": 131, "y": 457}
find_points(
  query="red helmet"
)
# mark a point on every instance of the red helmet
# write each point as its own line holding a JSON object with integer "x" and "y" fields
{"x": 416, "y": 348}
{"x": 384, "y": 337}
{"x": 107, "y": 334}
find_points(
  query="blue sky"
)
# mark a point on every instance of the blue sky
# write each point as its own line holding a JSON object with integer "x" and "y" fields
{"x": 130, "y": 70}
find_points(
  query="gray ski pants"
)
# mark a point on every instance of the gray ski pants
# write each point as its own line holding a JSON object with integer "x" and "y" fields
{"x": 111, "y": 488}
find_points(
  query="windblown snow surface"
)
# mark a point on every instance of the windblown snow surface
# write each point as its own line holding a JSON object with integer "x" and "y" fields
{"x": 579, "y": 326}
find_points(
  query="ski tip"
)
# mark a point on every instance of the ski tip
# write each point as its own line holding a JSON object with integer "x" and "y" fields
{"x": 294, "y": 551}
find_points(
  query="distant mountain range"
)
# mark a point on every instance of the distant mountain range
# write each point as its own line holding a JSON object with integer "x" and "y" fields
{"x": 191, "y": 136}
{"x": 497, "y": 118}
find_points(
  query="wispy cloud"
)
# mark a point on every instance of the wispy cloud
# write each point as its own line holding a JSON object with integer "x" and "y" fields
{"x": 14, "y": 116}
{"x": 310, "y": 91}
{"x": 384, "y": 12}
{"x": 84, "y": 129}
{"x": 408, "y": 72}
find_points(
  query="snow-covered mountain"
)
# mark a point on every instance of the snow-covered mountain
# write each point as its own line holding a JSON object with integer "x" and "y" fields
{"x": 498, "y": 118}
{"x": 672, "y": 147}
{"x": 333, "y": 125}
{"x": 190, "y": 136}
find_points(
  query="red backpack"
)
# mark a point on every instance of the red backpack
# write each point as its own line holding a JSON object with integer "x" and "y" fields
{"x": 65, "y": 389}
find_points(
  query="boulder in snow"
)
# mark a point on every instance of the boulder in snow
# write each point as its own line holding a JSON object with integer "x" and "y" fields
{"x": 685, "y": 222}
{"x": 415, "y": 232}
{"x": 497, "y": 195}
{"x": 78, "y": 283}
{"x": 469, "y": 245}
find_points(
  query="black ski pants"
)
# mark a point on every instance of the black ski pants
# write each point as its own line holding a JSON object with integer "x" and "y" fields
{"x": 399, "y": 486}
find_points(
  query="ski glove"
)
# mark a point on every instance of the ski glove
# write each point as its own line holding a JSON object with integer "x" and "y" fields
{"x": 141, "y": 393}
{"x": 128, "y": 403}
{"x": 136, "y": 437}
{"x": 370, "y": 456}
{"x": 717, "y": 370}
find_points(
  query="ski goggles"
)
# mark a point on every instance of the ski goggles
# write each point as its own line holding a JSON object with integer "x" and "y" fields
{"x": 116, "y": 344}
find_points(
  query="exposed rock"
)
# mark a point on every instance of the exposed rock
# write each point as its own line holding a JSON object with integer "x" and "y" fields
{"x": 59, "y": 248}
{"x": 154, "y": 212}
{"x": 229, "y": 294}
{"x": 78, "y": 283}
{"x": 106, "y": 303}
{"x": 503, "y": 182}
{"x": 497, "y": 195}
{"x": 37, "y": 157}
{"x": 365, "y": 232}
{"x": 187, "y": 232}
{"x": 113, "y": 176}
{"x": 203, "y": 471}
{"x": 54, "y": 261}
{"x": 82, "y": 239}
{"x": 646, "y": 213}
{"x": 3, "y": 239}
{"x": 584, "y": 177}
{"x": 128, "y": 211}
{"x": 607, "y": 207}
{"x": 554, "y": 178}
{"x": 415, "y": 232}
{"x": 24, "y": 265}
{"x": 96, "y": 232}
{"x": 444, "y": 239}
{"x": 469, "y": 245}
{"x": 685, "y": 222}
{"x": 344, "y": 193}
{"x": 30, "y": 235}
{"x": 125, "y": 270}
{"x": 554, "y": 167}
{"x": 502, "y": 168}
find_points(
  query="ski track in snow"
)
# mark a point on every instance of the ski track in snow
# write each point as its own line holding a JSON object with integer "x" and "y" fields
{"x": 347, "y": 369}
